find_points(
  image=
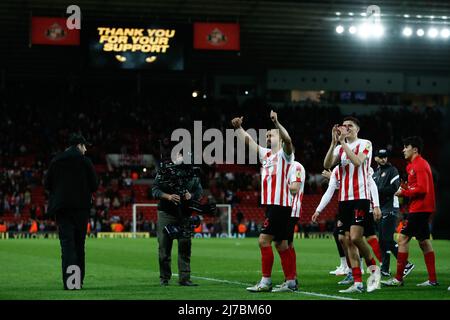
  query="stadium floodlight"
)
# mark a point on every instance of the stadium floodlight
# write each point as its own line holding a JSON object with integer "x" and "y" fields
{"x": 418, "y": 16}
{"x": 338, "y": 13}
{"x": 445, "y": 33}
{"x": 420, "y": 32}
{"x": 363, "y": 14}
{"x": 352, "y": 29}
{"x": 444, "y": 17}
{"x": 378, "y": 30}
{"x": 433, "y": 33}
{"x": 364, "y": 31}
{"x": 339, "y": 29}
{"x": 406, "y": 16}
{"x": 407, "y": 31}
{"x": 431, "y": 17}
{"x": 370, "y": 30}
{"x": 351, "y": 14}
{"x": 194, "y": 94}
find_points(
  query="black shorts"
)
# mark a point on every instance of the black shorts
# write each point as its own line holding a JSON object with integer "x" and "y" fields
{"x": 277, "y": 222}
{"x": 352, "y": 213}
{"x": 291, "y": 228}
{"x": 369, "y": 227}
{"x": 417, "y": 225}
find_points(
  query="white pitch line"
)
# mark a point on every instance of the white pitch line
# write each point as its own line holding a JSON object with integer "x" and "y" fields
{"x": 298, "y": 292}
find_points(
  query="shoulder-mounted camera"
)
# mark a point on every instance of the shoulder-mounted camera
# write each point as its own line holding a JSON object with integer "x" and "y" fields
{"x": 176, "y": 177}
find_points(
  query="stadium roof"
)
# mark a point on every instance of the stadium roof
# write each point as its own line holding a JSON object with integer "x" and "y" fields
{"x": 278, "y": 34}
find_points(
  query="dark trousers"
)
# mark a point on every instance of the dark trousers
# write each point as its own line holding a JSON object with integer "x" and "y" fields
{"x": 338, "y": 243}
{"x": 386, "y": 230}
{"x": 72, "y": 228}
{"x": 165, "y": 247}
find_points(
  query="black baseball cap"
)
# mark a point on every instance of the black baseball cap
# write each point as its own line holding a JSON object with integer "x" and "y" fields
{"x": 76, "y": 138}
{"x": 382, "y": 153}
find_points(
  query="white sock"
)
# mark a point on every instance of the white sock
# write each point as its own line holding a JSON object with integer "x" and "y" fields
{"x": 266, "y": 280}
{"x": 291, "y": 283}
{"x": 343, "y": 262}
{"x": 361, "y": 263}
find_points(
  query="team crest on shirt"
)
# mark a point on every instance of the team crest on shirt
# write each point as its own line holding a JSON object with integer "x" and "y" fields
{"x": 383, "y": 174}
{"x": 299, "y": 174}
{"x": 411, "y": 172}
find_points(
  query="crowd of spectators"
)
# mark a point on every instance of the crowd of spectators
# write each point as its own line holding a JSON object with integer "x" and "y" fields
{"x": 33, "y": 130}
{"x": 15, "y": 188}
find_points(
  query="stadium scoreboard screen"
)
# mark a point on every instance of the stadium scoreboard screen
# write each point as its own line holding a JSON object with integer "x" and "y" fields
{"x": 151, "y": 47}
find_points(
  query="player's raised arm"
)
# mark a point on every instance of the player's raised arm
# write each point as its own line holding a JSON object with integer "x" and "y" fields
{"x": 330, "y": 159}
{"x": 284, "y": 135}
{"x": 358, "y": 159}
{"x": 243, "y": 135}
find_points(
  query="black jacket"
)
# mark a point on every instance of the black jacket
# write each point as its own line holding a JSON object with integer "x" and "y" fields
{"x": 71, "y": 180}
{"x": 387, "y": 180}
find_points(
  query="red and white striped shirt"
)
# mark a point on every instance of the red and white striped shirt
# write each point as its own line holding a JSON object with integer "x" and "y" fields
{"x": 335, "y": 184}
{"x": 354, "y": 180}
{"x": 274, "y": 171}
{"x": 297, "y": 174}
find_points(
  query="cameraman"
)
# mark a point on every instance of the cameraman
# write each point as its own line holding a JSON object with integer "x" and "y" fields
{"x": 173, "y": 210}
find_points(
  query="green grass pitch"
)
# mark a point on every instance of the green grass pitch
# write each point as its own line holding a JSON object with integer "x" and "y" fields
{"x": 128, "y": 269}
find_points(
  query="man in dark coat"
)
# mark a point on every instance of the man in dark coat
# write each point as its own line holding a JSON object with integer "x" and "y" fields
{"x": 71, "y": 180}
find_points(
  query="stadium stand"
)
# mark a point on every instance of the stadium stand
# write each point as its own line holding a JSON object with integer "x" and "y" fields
{"x": 24, "y": 154}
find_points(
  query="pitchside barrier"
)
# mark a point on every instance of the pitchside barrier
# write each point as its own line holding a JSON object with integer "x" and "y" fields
{"x": 144, "y": 235}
